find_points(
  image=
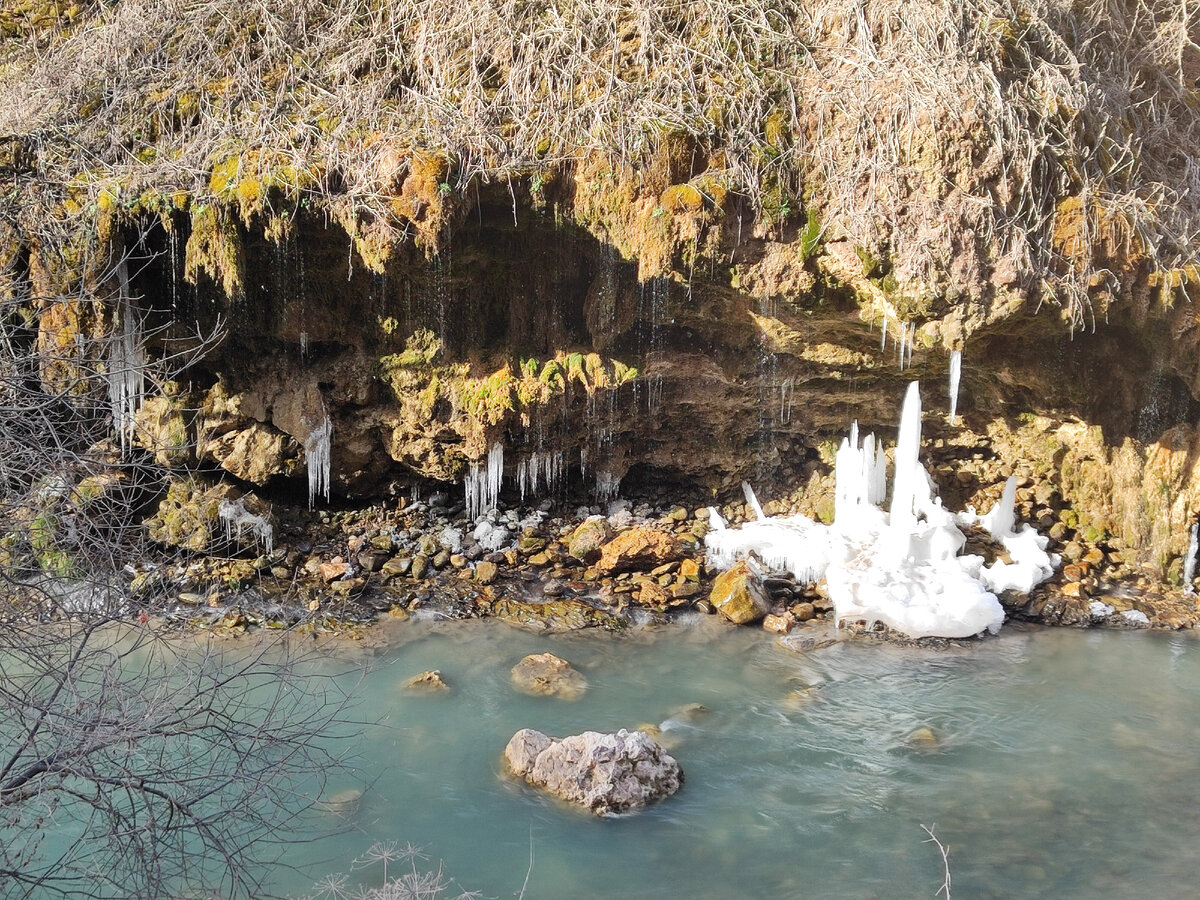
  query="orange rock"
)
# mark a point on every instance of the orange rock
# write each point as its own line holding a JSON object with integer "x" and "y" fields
{"x": 779, "y": 624}
{"x": 333, "y": 570}
{"x": 638, "y": 548}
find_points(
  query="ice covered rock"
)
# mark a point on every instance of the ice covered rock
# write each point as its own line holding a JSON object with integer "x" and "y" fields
{"x": 605, "y": 773}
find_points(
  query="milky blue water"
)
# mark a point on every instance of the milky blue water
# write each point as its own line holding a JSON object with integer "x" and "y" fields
{"x": 1066, "y": 766}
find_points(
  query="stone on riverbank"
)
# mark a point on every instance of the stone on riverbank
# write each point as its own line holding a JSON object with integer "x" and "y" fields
{"x": 738, "y": 594}
{"x": 546, "y": 674}
{"x": 588, "y": 537}
{"x": 638, "y": 549}
{"x": 605, "y": 773}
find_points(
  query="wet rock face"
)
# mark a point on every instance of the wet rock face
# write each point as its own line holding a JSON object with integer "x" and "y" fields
{"x": 605, "y": 773}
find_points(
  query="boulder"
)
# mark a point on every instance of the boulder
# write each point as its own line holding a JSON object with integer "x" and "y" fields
{"x": 546, "y": 674}
{"x": 586, "y": 540}
{"x": 739, "y": 594}
{"x": 638, "y": 549}
{"x": 605, "y": 773}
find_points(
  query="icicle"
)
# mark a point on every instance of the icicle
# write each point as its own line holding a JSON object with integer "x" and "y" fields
{"x": 238, "y": 520}
{"x": 787, "y": 391}
{"x": 483, "y": 483}
{"x": 955, "y": 376}
{"x": 317, "y": 454}
{"x": 1000, "y": 521}
{"x": 908, "y": 449}
{"x": 1189, "y": 563}
{"x": 126, "y": 364}
{"x": 304, "y": 345}
{"x": 752, "y": 500}
{"x": 883, "y": 334}
{"x": 902, "y": 345}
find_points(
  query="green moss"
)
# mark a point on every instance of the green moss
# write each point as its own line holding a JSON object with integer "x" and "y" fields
{"x": 810, "y": 235}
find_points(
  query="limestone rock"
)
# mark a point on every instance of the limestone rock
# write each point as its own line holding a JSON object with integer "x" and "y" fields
{"x": 587, "y": 539}
{"x": 605, "y": 773}
{"x": 739, "y": 595}
{"x": 254, "y": 453}
{"x": 486, "y": 572}
{"x": 545, "y": 673}
{"x": 638, "y": 549}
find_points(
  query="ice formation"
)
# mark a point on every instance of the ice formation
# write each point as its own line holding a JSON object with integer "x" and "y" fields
{"x": 541, "y": 469}
{"x": 483, "y": 483}
{"x": 317, "y": 455}
{"x": 126, "y": 373}
{"x": 1189, "y": 562}
{"x": 607, "y": 486}
{"x": 955, "y": 377}
{"x": 239, "y": 521}
{"x": 901, "y": 568}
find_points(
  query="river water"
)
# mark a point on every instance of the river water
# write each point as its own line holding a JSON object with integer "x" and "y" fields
{"x": 1063, "y": 763}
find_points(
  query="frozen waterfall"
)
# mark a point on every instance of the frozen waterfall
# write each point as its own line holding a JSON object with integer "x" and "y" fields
{"x": 901, "y": 568}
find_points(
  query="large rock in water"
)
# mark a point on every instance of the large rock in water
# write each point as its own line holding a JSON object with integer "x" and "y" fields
{"x": 739, "y": 595}
{"x": 606, "y": 773}
{"x": 638, "y": 548}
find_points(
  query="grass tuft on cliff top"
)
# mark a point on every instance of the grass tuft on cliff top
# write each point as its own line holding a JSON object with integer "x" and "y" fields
{"x": 1045, "y": 145}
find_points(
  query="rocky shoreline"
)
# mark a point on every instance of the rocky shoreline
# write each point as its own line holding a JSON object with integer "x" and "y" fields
{"x": 556, "y": 567}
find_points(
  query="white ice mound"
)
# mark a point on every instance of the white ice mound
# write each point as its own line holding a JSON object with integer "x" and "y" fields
{"x": 901, "y": 568}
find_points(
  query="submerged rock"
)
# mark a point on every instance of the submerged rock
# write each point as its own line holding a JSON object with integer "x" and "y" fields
{"x": 605, "y": 773}
{"x": 546, "y": 674}
{"x": 739, "y": 595}
{"x": 430, "y": 681}
{"x": 554, "y": 615}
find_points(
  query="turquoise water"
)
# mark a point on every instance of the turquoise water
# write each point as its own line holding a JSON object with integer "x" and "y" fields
{"x": 1065, "y": 765}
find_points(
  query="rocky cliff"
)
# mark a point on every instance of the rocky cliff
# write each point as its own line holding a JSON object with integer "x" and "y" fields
{"x": 635, "y": 245}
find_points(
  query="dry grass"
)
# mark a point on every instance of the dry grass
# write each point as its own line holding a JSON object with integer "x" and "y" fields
{"x": 940, "y": 135}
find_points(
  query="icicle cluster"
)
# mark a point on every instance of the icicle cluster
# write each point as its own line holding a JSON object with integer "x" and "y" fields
{"x": 860, "y": 473}
{"x": 317, "y": 454}
{"x": 126, "y": 373}
{"x": 955, "y": 377}
{"x": 483, "y": 483}
{"x": 239, "y": 521}
{"x": 538, "y": 471}
{"x": 901, "y": 568}
{"x": 607, "y": 486}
